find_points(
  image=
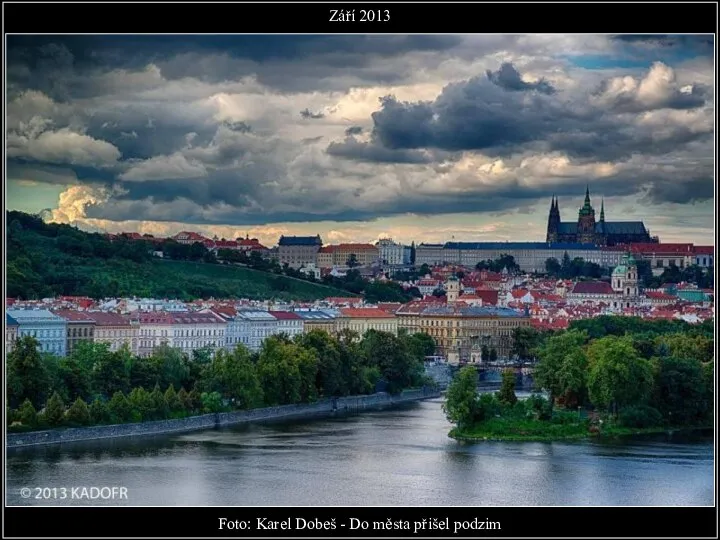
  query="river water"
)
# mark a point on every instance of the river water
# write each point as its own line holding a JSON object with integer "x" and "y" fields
{"x": 398, "y": 457}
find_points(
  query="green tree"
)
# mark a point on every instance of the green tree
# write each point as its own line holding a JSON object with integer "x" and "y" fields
{"x": 27, "y": 374}
{"x": 99, "y": 413}
{"x": 141, "y": 405}
{"x": 462, "y": 403}
{"x": 111, "y": 372}
{"x": 506, "y": 395}
{"x": 160, "y": 409}
{"x": 618, "y": 377}
{"x": 119, "y": 408}
{"x": 681, "y": 345}
{"x": 679, "y": 390}
{"x": 279, "y": 372}
{"x": 185, "y": 400}
{"x": 27, "y": 414}
{"x": 572, "y": 378}
{"x": 211, "y": 402}
{"x": 558, "y": 360}
{"x": 394, "y": 359}
{"x": 172, "y": 400}
{"x": 234, "y": 375}
{"x": 421, "y": 345}
{"x": 329, "y": 380}
{"x": 526, "y": 341}
{"x": 352, "y": 261}
{"x": 172, "y": 366}
{"x": 492, "y": 354}
{"x": 78, "y": 413}
{"x": 552, "y": 267}
{"x": 75, "y": 378}
{"x": 55, "y": 410}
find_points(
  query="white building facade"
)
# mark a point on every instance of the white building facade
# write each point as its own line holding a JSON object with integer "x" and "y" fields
{"x": 391, "y": 253}
{"x": 257, "y": 327}
{"x": 198, "y": 330}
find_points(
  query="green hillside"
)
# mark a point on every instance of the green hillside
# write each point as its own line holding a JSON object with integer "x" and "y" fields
{"x": 51, "y": 259}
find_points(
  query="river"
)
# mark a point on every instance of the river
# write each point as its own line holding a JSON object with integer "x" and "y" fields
{"x": 393, "y": 457}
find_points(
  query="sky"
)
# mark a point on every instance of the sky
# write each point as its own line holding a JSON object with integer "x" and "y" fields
{"x": 419, "y": 138}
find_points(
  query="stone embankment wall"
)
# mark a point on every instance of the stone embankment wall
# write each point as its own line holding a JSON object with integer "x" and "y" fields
{"x": 328, "y": 407}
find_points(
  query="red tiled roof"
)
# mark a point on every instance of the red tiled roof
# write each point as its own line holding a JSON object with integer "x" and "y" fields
{"x": 71, "y": 315}
{"x": 327, "y": 249}
{"x": 659, "y": 295}
{"x": 344, "y": 247}
{"x": 390, "y": 307}
{"x": 674, "y": 249}
{"x": 155, "y": 317}
{"x": 366, "y": 313}
{"x": 704, "y": 250}
{"x": 285, "y": 315}
{"x": 487, "y": 296}
{"x": 592, "y": 287}
{"x": 225, "y": 310}
{"x": 226, "y": 244}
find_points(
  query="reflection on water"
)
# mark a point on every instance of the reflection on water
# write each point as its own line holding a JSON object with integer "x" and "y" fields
{"x": 394, "y": 457}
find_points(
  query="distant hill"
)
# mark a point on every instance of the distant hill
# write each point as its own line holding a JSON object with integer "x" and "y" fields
{"x": 47, "y": 259}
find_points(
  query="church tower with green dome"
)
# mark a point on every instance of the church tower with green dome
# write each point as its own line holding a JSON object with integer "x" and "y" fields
{"x": 625, "y": 282}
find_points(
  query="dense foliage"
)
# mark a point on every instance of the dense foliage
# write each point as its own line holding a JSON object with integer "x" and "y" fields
{"x": 95, "y": 385}
{"x": 632, "y": 373}
{"x": 572, "y": 268}
{"x": 504, "y": 262}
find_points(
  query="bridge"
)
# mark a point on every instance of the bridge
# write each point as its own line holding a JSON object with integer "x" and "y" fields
{"x": 488, "y": 372}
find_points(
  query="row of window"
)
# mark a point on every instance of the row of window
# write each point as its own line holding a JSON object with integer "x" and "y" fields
{"x": 80, "y": 332}
{"x": 198, "y": 333}
{"x": 54, "y": 333}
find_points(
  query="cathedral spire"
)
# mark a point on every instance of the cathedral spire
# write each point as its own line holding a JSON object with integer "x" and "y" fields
{"x": 587, "y": 195}
{"x": 602, "y": 210}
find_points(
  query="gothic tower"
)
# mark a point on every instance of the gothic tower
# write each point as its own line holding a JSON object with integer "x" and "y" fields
{"x": 586, "y": 221}
{"x": 553, "y": 221}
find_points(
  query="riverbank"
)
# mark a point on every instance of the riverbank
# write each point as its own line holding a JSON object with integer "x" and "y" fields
{"x": 542, "y": 431}
{"x": 343, "y": 405}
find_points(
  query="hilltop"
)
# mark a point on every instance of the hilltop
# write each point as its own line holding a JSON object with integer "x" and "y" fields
{"x": 49, "y": 259}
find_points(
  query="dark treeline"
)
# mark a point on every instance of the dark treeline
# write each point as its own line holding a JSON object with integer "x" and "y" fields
{"x": 94, "y": 385}
{"x": 572, "y": 268}
{"x": 702, "y": 277}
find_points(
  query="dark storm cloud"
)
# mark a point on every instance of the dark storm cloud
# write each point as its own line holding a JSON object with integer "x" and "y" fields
{"x": 509, "y": 78}
{"x": 307, "y": 114}
{"x": 353, "y": 130}
{"x": 479, "y": 114}
{"x": 690, "y": 190}
{"x": 58, "y": 65}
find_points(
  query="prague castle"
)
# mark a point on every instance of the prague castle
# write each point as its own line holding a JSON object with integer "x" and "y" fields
{"x": 589, "y": 231}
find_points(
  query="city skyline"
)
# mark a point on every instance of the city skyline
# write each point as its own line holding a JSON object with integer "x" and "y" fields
{"x": 296, "y": 135}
